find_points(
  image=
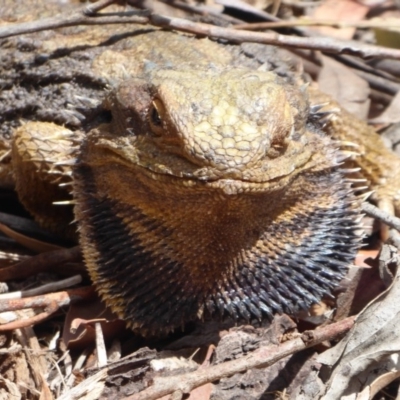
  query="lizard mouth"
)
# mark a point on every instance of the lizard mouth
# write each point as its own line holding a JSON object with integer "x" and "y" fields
{"x": 169, "y": 168}
{"x": 206, "y": 178}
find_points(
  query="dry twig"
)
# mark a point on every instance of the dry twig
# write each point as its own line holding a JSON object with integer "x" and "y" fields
{"x": 100, "y": 346}
{"x": 326, "y": 44}
{"x": 385, "y": 217}
{"x": 261, "y": 358}
{"x": 318, "y": 22}
{"x": 85, "y": 16}
{"x": 50, "y": 302}
{"x": 88, "y": 16}
{"x": 62, "y": 299}
{"x": 24, "y": 323}
{"x": 47, "y": 288}
{"x": 40, "y": 263}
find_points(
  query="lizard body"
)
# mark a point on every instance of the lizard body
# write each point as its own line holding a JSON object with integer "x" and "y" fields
{"x": 210, "y": 209}
{"x": 213, "y": 192}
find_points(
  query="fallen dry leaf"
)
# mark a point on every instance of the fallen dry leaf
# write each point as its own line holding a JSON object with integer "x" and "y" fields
{"x": 201, "y": 393}
{"x": 339, "y": 10}
{"x": 78, "y": 331}
{"x": 392, "y": 113}
{"x": 378, "y": 384}
{"x": 351, "y": 91}
{"x": 369, "y": 350}
{"x": 363, "y": 255}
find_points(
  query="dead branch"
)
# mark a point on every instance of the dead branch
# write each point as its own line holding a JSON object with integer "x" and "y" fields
{"x": 261, "y": 358}
{"x": 89, "y": 16}
{"x": 88, "y": 386}
{"x": 62, "y": 299}
{"x": 25, "y": 226}
{"x": 383, "y": 216}
{"x": 47, "y": 288}
{"x": 85, "y": 16}
{"x": 316, "y": 22}
{"x": 325, "y": 44}
{"x": 23, "y": 323}
{"x": 101, "y": 351}
{"x": 35, "y": 356}
{"x": 39, "y": 263}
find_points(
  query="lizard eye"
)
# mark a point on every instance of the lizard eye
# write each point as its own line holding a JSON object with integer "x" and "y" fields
{"x": 157, "y": 116}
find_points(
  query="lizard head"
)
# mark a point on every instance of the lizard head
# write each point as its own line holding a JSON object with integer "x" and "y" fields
{"x": 232, "y": 130}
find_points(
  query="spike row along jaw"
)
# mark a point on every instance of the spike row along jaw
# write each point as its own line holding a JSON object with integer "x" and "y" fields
{"x": 42, "y": 159}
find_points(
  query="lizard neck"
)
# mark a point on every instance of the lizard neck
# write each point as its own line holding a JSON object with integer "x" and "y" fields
{"x": 240, "y": 256}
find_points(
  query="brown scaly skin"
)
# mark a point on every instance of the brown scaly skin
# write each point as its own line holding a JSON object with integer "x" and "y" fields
{"x": 39, "y": 183}
{"x": 213, "y": 193}
{"x": 224, "y": 208}
{"x": 379, "y": 167}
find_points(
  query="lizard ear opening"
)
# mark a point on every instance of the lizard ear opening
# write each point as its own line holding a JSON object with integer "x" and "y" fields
{"x": 157, "y": 114}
